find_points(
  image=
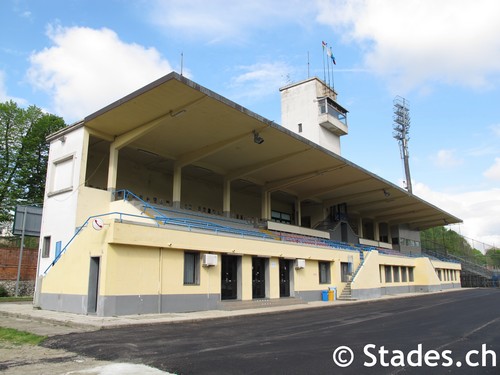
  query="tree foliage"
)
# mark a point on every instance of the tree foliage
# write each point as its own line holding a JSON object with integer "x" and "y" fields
{"x": 445, "y": 241}
{"x": 23, "y": 155}
{"x": 493, "y": 256}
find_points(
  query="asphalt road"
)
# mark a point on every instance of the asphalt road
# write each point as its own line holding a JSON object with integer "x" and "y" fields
{"x": 430, "y": 333}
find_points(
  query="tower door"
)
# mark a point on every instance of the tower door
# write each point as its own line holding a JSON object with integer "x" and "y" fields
{"x": 229, "y": 277}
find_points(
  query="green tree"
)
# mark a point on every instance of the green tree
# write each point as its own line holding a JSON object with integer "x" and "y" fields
{"x": 23, "y": 155}
{"x": 447, "y": 241}
{"x": 493, "y": 256}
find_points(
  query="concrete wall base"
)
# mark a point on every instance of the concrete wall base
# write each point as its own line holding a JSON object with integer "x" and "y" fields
{"x": 130, "y": 305}
{"x": 391, "y": 290}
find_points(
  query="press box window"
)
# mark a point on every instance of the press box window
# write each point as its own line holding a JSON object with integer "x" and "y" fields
{"x": 324, "y": 272}
{"x": 191, "y": 268}
{"x": 281, "y": 217}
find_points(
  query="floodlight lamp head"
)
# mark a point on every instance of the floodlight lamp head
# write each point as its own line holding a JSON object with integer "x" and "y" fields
{"x": 257, "y": 138}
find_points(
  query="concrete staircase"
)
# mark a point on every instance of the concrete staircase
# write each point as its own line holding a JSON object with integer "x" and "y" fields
{"x": 346, "y": 294}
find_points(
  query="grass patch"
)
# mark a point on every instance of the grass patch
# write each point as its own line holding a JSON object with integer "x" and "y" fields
{"x": 19, "y": 337}
{"x": 16, "y": 299}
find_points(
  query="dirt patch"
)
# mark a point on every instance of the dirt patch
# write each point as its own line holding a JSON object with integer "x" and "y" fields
{"x": 37, "y": 360}
{"x": 29, "y": 359}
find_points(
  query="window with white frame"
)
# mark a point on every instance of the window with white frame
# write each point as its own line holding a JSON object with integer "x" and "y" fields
{"x": 61, "y": 179}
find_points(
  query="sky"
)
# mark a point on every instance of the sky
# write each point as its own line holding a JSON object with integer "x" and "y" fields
{"x": 73, "y": 57}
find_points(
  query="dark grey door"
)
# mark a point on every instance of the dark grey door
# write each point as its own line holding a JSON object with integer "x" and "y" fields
{"x": 229, "y": 277}
{"x": 284, "y": 278}
{"x": 93, "y": 285}
{"x": 258, "y": 277}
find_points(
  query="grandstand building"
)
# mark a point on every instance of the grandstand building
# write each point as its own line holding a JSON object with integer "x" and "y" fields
{"x": 176, "y": 199}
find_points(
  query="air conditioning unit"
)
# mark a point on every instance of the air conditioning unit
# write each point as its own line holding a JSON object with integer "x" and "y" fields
{"x": 209, "y": 260}
{"x": 300, "y": 264}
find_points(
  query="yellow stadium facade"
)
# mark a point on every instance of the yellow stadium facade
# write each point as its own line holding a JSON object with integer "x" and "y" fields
{"x": 176, "y": 199}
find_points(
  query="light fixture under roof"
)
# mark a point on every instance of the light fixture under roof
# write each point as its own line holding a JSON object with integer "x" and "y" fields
{"x": 257, "y": 138}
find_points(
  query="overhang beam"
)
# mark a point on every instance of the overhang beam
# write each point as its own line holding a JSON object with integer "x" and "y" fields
{"x": 249, "y": 169}
{"x": 316, "y": 193}
{"x": 294, "y": 180}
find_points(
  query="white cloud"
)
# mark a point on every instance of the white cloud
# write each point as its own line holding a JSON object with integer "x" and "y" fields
{"x": 261, "y": 79}
{"x": 479, "y": 210}
{"x": 86, "y": 69}
{"x": 226, "y": 20}
{"x": 415, "y": 42}
{"x": 493, "y": 173}
{"x": 447, "y": 159}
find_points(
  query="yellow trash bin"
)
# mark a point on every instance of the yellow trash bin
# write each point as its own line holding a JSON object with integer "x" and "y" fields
{"x": 330, "y": 295}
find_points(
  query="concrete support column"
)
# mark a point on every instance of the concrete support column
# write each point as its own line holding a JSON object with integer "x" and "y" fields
{"x": 298, "y": 212}
{"x": 177, "y": 187}
{"x": 376, "y": 231}
{"x": 266, "y": 205}
{"x": 360, "y": 227}
{"x": 226, "y": 199}
{"x": 113, "y": 167}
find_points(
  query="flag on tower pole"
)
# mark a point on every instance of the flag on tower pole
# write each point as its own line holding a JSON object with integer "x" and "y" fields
{"x": 332, "y": 57}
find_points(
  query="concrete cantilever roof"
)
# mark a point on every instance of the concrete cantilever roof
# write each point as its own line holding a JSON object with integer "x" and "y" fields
{"x": 185, "y": 124}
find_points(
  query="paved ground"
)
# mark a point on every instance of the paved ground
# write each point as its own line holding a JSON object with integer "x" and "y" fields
{"x": 298, "y": 341}
{"x": 302, "y": 341}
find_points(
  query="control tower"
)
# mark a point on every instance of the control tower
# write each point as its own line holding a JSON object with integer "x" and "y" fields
{"x": 310, "y": 109}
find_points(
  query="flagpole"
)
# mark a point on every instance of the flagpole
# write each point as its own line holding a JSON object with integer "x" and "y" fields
{"x": 328, "y": 67}
{"x": 324, "y": 70}
{"x": 333, "y": 76}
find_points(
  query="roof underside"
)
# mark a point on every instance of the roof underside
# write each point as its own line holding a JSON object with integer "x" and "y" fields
{"x": 197, "y": 127}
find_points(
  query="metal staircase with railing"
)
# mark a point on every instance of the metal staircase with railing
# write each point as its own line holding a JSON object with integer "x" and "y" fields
{"x": 346, "y": 294}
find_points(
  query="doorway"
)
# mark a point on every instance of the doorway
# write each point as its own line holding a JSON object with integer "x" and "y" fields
{"x": 93, "y": 291}
{"x": 285, "y": 277}
{"x": 343, "y": 232}
{"x": 259, "y": 277}
{"x": 229, "y": 277}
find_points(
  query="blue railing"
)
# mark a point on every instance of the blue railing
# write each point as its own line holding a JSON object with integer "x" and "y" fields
{"x": 85, "y": 224}
{"x": 159, "y": 217}
{"x": 190, "y": 223}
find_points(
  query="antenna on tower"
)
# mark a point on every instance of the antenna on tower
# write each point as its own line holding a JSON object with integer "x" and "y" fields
{"x": 401, "y": 127}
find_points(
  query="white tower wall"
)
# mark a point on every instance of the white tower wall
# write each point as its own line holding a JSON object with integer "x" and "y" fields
{"x": 309, "y": 109}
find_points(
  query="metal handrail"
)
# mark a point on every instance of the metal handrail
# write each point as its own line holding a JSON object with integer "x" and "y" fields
{"x": 80, "y": 228}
